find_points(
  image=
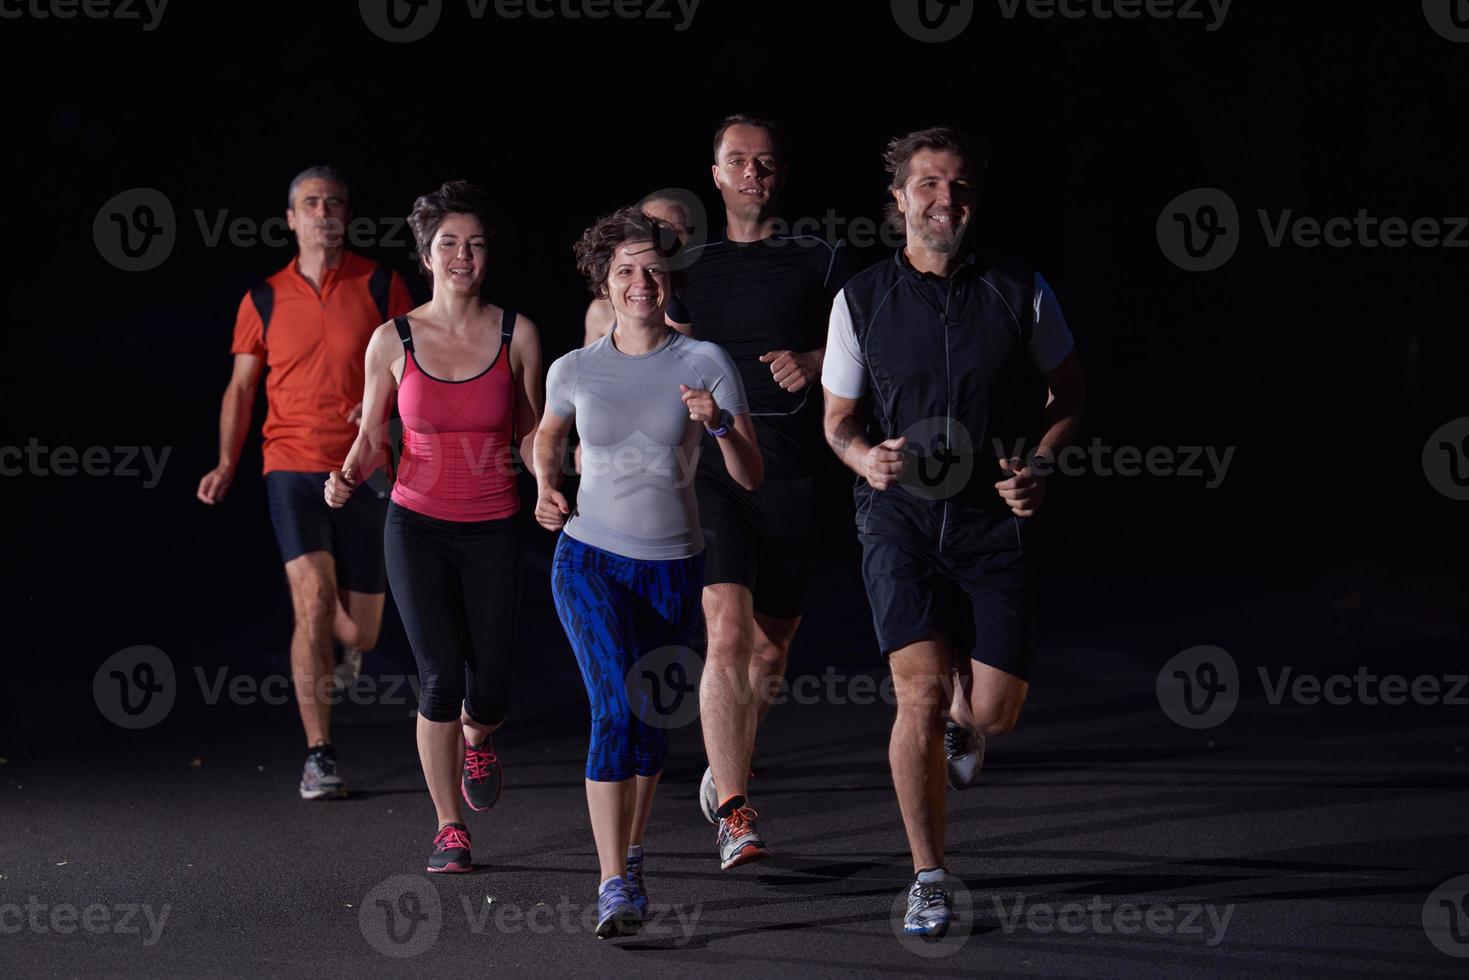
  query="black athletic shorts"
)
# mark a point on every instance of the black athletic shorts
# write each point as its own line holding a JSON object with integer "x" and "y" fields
{"x": 353, "y": 533}
{"x": 760, "y": 540}
{"x": 983, "y": 603}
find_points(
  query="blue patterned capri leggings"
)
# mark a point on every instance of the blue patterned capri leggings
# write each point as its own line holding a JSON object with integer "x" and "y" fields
{"x": 615, "y": 610}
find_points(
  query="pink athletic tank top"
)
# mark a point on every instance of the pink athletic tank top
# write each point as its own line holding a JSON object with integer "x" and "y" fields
{"x": 456, "y": 463}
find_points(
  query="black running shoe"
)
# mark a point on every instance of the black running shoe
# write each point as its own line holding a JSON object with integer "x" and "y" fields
{"x": 483, "y": 776}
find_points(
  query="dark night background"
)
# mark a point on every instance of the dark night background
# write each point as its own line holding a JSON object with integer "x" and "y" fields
{"x": 1324, "y": 543}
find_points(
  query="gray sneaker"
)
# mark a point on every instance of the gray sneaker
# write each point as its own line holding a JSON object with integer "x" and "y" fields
{"x": 739, "y": 841}
{"x": 930, "y": 910}
{"x": 319, "y": 779}
{"x": 964, "y": 751}
{"x": 349, "y": 668}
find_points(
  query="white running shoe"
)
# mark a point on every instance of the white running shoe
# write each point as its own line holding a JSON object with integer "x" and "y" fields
{"x": 964, "y": 749}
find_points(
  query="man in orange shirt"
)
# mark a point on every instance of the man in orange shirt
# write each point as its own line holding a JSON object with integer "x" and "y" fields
{"x": 309, "y": 324}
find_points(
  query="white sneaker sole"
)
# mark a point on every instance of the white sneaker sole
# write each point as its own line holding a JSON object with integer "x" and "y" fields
{"x": 709, "y": 797}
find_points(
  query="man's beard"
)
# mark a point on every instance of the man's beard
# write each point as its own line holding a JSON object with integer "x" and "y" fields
{"x": 935, "y": 240}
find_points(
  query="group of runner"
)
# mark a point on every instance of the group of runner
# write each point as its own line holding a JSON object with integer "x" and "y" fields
{"x": 697, "y": 359}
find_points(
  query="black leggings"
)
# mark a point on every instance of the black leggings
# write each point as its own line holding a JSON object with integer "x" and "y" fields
{"x": 457, "y": 586}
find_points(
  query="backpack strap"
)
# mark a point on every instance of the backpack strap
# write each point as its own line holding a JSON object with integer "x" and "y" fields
{"x": 263, "y": 296}
{"x": 379, "y": 285}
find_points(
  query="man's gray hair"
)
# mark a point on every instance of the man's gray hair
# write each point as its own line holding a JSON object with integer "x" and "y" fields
{"x": 319, "y": 172}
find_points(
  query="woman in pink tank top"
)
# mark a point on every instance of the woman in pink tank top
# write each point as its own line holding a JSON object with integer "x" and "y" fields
{"x": 467, "y": 379}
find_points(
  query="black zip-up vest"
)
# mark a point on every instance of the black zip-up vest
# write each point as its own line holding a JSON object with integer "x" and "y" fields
{"x": 948, "y": 365}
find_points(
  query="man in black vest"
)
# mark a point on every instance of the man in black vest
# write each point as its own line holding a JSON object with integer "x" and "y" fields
{"x": 971, "y": 386}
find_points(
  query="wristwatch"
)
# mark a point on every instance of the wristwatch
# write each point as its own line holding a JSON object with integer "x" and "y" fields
{"x": 726, "y": 422}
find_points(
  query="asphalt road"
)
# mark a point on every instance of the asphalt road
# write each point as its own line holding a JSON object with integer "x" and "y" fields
{"x": 1106, "y": 839}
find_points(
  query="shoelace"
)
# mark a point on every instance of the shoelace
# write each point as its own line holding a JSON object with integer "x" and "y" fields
{"x": 478, "y": 761}
{"x": 956, "y": 740}
{"x": 738, "y": 822}
{"x": 930, "y": 895}
{"x": 450, "y": 838}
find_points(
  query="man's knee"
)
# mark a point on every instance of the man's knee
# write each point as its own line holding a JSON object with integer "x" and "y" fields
{"x": 313, "y": 591}
{"x": 360, "y": 634}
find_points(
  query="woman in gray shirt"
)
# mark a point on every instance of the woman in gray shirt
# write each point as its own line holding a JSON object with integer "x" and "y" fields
{"x": 628, "y": 568}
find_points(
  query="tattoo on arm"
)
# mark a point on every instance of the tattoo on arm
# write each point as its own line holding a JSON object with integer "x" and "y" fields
{"x": 846, "y": 432}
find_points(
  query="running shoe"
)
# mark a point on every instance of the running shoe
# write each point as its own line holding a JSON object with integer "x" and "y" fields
{"x": 483, "y": 776}
{"x": 709, "y": 797}
{"x": 451, "y": 850}
{"x": 349, "y": 668}
{"x": 929, "y": 910}
{"x": 319, "y": 779}
{"x": 964, "y": 750}
{"x": 635, "y": 890}
{"x": 616, "y": 913}
{"x": 739, "y": 841}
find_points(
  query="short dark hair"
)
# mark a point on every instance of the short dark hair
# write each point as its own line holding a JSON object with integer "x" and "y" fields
{"x": 595, "y": 248}
{"x": 898, "y": 159}
{"x": 429, "y": 211}
{"x": 747, "y": 119}
{"x": 319, "y": 172}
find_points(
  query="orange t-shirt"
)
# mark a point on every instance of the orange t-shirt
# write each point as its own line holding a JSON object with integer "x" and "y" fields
{"x": 314, "y": 347}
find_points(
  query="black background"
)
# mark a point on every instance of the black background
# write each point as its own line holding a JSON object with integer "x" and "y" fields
{"x": 1298, "y": 358}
